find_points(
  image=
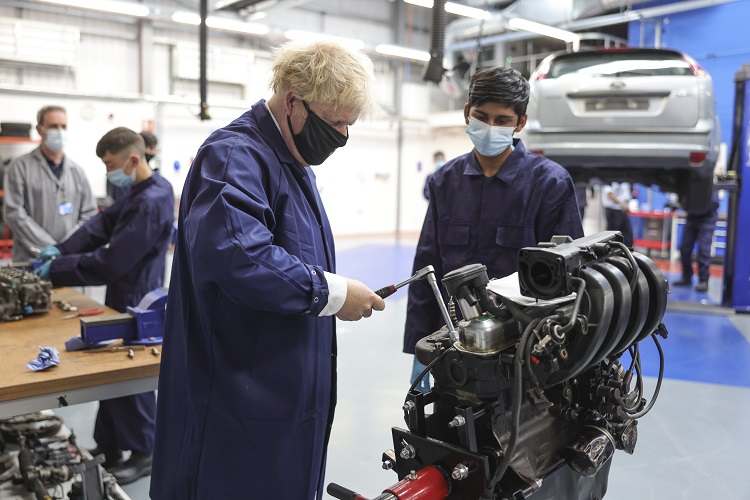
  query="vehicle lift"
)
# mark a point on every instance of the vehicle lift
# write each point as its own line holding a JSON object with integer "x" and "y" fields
{"x": 736, "y": 292}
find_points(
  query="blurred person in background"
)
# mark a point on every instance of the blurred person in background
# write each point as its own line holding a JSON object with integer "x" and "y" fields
{"x": 616, "y": 199}
{"x": 47, "y": 195}
{"x": 438, "y": 160}
{"x": 699, "y": 228}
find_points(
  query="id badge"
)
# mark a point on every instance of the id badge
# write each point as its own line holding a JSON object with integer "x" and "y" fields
{"x": 65, "y": 208}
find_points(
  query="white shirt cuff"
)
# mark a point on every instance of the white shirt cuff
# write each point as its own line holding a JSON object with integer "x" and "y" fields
{"x": 336, "y": 294}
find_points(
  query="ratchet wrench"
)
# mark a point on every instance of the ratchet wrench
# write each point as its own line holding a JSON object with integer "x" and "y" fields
{"x": 389, "y": 290}
{"x": 428, "y": 273}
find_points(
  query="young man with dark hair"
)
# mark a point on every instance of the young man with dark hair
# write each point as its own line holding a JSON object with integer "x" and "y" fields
{"x": 124, "y": 247}
{"x": 116, "y": 192}
{"x": 489, "y": 203}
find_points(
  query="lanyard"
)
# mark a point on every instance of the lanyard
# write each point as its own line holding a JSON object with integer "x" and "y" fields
{"x": 58, "y": 182}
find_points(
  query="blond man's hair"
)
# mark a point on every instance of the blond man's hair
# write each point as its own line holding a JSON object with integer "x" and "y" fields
{"x": 327, "y": 73}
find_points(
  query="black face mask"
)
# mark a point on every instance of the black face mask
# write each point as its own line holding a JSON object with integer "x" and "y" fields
{"x": 317, "y": 140}
{"x": 149, "y": 156}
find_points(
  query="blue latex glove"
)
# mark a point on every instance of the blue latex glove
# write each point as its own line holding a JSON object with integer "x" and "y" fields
{"x": 49, "y": 253}
{"x": 424, "y": 385}
{"x": 48, "y": 357}
{"x": 43, "y": 270}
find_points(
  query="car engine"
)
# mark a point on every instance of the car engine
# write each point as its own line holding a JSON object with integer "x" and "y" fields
{"x": 22, "y": 293}
{"x": 537, "y": 383}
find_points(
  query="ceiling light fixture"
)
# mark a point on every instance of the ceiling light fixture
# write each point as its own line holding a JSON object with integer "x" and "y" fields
{"x": 183, "y": 17}
{"x": 454, "y": 8}
{"x": 221, "y": 23}
{"x": 465, "y": 10}
{"x": 311, "y": 36}
{"x": 543, "y": 29}
{"x": 403, "y": 52}
{"x": 420, "y": 3}
{"x": 110, "y": 6}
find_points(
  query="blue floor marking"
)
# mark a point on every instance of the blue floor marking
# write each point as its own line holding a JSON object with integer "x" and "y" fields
{"x": 689, "y": 294}
{"x": 377, "y": 265}
{"x": 700, "y": 348}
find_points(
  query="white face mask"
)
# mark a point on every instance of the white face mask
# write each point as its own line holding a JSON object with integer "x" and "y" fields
{"x": 55, "y": 139}
{"x": 489, "y": 139}
{"x": 120, "y": 178}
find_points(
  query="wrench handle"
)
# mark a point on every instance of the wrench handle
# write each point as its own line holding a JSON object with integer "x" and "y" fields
{"x": 386, "y": 291}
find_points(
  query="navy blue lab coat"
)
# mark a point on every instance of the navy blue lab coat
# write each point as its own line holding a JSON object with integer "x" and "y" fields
{"x": 474, "y": 219}
{"x": 247, "y": 382}
{"x": 138, "y": 229}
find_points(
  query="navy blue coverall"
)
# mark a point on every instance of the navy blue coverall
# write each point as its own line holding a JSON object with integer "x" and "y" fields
{"x": 247, "y": 381}
{"x": 472, "y": 219}
{"x": 699, "y": 227}
{"x": 123, "y": 247}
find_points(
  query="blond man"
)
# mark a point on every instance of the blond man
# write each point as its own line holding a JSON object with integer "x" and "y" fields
{"x": 247, "y": 383}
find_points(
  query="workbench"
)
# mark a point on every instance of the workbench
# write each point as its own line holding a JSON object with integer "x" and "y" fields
{"x": 80, "y": 377}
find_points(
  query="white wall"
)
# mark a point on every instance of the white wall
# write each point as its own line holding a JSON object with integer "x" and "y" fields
{"x": 359, "y": 183}
{"x": 87, "y": 122}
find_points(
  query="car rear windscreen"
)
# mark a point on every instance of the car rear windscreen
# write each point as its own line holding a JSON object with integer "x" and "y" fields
{"x": 620, "y": 64}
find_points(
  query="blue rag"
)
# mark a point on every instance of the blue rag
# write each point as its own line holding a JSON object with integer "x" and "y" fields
{"x": 47, "y": 358}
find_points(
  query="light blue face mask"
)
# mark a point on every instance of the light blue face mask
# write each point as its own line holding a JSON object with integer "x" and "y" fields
{"x": 119, "y": 178}
{"x": 489, "y": 140}
{"x": 55, "y": 139}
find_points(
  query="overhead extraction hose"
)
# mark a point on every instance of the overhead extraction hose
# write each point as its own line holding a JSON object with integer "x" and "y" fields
{"x": 433, "y": 70}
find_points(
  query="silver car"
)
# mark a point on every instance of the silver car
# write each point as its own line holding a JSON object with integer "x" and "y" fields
{"x": 627, "y": 114}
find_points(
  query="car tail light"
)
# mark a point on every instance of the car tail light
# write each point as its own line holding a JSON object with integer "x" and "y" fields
{"x": 537, "y": 152}
{"x": 697, "y": 69}
{"x": 541, "y": 72}
{"x": 697, "y": 157}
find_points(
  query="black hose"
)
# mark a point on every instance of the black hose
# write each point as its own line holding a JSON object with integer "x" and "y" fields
{"x": 636, "y": 364}
{"x": 515, "y": 410}
{"x": 658, "y": 381}
{"x": 527, "y": 352}
{"x": 629, "y": 373}
{"x": 433, "y": 70}
{"x": 576, "y": 305}
{"x": 427, "y": 369}
{"x": 631, "y": 259}
{"x": 516, "y": 310}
